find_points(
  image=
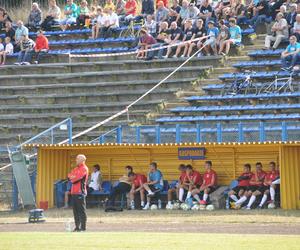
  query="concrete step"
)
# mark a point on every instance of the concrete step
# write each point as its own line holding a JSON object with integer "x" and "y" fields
{"x": 122, "y": 75}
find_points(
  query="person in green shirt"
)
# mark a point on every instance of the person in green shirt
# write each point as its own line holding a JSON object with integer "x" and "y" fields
{"x": 83, "y": 14}
{"x": 71, "y": 14}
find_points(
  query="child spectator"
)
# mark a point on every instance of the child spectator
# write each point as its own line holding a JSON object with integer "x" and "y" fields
{"x": 52, "y": 17}
{"x": 235, "y": 36}
{"x": 9, "y": 50}
{"x": 146, "y": 41}
{"x": 101, "y": 20}
{"x": 175, "y": 37}
{"x": 41, "y": 46}
{"x": 188, "y": 35}
{"x": 111, "y": 24}
{"x": 199, "y": 33}
{"x": 83, "y": 14}
{"x": 71, "y": 14}
{"x": 35, "y": 17}
{"x": 150, "y": 25}
{"x": 3, "y": 18}
{"x": 223, "y": 36}
{"x": 27, "y": 47}
{"x": 210, "y": 43}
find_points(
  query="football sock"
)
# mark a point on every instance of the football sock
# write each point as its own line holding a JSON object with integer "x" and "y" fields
{"x": 196, "y": 196}
{"x": 189, "y": 194}
{"x": 205, "y": 196}
{"x": 241, "y": 200}
{"x": 233, "y": 197}
{"x": 251, "y": 201}
{"x": 263, "y": 200}
{"x": 181, "y": 193}
{"x": 272, "y": 193}
{"x": 169, "y": 203}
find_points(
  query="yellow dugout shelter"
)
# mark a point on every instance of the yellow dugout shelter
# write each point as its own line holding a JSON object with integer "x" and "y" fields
{"x": 55, "y": 161}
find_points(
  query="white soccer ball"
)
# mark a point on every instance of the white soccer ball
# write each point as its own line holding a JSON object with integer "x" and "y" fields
{"x": 176, "y": 205}
{"x": 169, "y": 207}
{"x": 196, "y": 207}
{"x": 210, "y": 207}
{"x": 271, "y": 206}
{"x": 184, "y": 206}
{"x": 153, "y": 207}
{"x": 202, "y": 207}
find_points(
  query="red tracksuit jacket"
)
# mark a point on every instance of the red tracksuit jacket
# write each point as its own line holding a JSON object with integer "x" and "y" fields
{"x": 79, "y": 178}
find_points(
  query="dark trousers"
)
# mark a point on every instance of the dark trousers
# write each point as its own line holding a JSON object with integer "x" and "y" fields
{"x": 290, "y": 61}
{"x": 120, "y": 189}
{"x": 79, "y": 211}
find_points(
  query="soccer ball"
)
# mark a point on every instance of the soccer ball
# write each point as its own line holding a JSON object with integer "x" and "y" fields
{"x": 196, "y": 207}
{"x": 169, "y": 207}
{"x": 210, "y": 207}
{"x": 202, "y": 207}
{"x": 176, "y": 205}
{"x": 153, "y": 207}
{"x": 271, "y": 206}
{"x": 184, "y": 206}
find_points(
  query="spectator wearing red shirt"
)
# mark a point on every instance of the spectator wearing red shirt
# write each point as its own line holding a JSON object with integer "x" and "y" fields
{"x": 166, "y": 3}
{"x": 79, "y": 178}
{"x": 41, "y": 46}
{"x": 255, "y": 183}
{"x": 146, "y": 41}
{"x": 208, "y": 186}
{"x": 130, "y": 10}
{"x": 137, "y": 186}
{"x": 243, "y": 183}
{"x": 175, "y": 188}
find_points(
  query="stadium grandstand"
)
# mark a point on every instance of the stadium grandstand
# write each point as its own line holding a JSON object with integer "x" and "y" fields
{"x": 211, "y": 86}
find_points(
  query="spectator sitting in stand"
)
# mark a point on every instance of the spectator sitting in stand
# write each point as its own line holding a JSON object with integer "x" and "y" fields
{"x": 146, "y": 41}
{"x": 261, "y": 13}
{"x": 3, "y": 18}
{"x": 9, "y": 50}
{"x": 223, "y": 36}
{"x": 206, "y": 12}
{"x": 291, "y": 16}
{"x": 184, "y": 13}
{"x": 193, "y": 12}
{"x": 235, "y": 36}
{"x": 147, "y": 8}
{"x": 1, "y": 45}
{"x": 27, "y": 48}
{"x": 130, "y": 11}
{"x": 174, "y": 13}
{"x": 53, "y": 16}
{"x": 71, "y": 14}
{"x": 20, "y": 32}
{"x": 199, "y": 33}
{"x": 210, "y": 43}
{"x": 109, "y": 5}
{"x": 35, "y": 17}
{"x": 188, "y": 35}
{"x": 175, "y": 37}
{"x": 291, "y": 56}
{"x": 83, "y": 13}
{"x": 162, "y": 12}
{"x": 240, "y": 12}
{"x": 296, "y": 28}
{"x": 111, "y": 24}
{"x": 10, "y": 31}
{"x": 280, "y": 32}
{"x": 120, "y": 8}
{"x": 41, "y": 46}
{"x": 150, "y": 25}
{"x": 166, "y": 3}
{"x": 101, "y": 20}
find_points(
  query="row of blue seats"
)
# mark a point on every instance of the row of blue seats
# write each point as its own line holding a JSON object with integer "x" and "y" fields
{"x": 251, "y": 64}
{"x": 254, "y": 117}
{"x": 240, "y": 96}
{"x": 191, "y": 109}
{"x": 92, "y": 41}
{"x": 262, "y": 53}
{"x": 257, "y": 75}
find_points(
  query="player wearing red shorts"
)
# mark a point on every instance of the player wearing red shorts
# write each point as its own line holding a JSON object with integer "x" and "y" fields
{"x": 243, "y": 183}
{"x": 268, "y": 186}
{"x": 255, "y": 182}
{"x": 208, "y": 186}
{"x": 175, "y": 189}
{"x": 137, "y": 186}
{"x": 192, "y": 180}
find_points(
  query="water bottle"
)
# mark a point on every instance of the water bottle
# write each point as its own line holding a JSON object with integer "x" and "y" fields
{"x": 159, "y": 204}
{"x": 68, "y": 225}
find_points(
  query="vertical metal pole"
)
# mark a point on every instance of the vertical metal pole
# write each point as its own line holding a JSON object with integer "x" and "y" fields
{"x": 284, "y": 134}
{"x": 262, "y": 134}
{"x": 119, "y": 134}
{"x": 241, "y": 133}
{"x": 15, "y": 195}
{"x": 219, "y": 132}
{"x": 157, "y": 134}
{"x": 70, "y": 127}
{"x": 198, "y": 135}
{"x": 138, "y": 134}
{"x": 52, "y": 139}
{"x": 178, "y": 137}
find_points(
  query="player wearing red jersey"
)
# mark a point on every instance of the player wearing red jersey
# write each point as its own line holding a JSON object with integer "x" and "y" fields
{"x": 268, "y": 186}
{"x": 243, "y": 183}
{"x": 193, "y": 179}
{"x": 255, "y": 182}
{"x": 208, "y": 186}
{"x": 137, "y": 186}
{"x": 175, "y": 188}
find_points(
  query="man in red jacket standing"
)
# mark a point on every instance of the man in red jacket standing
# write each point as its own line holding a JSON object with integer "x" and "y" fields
{"x": 79, "y": 177}
{"x": 41, "y": 46}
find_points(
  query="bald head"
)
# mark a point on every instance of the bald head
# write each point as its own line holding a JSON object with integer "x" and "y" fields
{"x": 80, "y": 159}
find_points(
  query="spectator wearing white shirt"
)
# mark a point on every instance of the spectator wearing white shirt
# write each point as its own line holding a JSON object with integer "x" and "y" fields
{"x": 111, "y": 25}
{"x": 9, "y": 50}
{"x": 101, "y": 20}
{"x": 95, "y": 183}
{"x": 296, "y": 27}
{"x": 151, "y": 25}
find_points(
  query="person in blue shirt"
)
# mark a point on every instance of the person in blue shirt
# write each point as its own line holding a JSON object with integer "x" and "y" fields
{"x": 291, "y": 56}
{"x": 210, "y": 43}
{"x": 154, "y": 183}
{"x": 235, "y": 37}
